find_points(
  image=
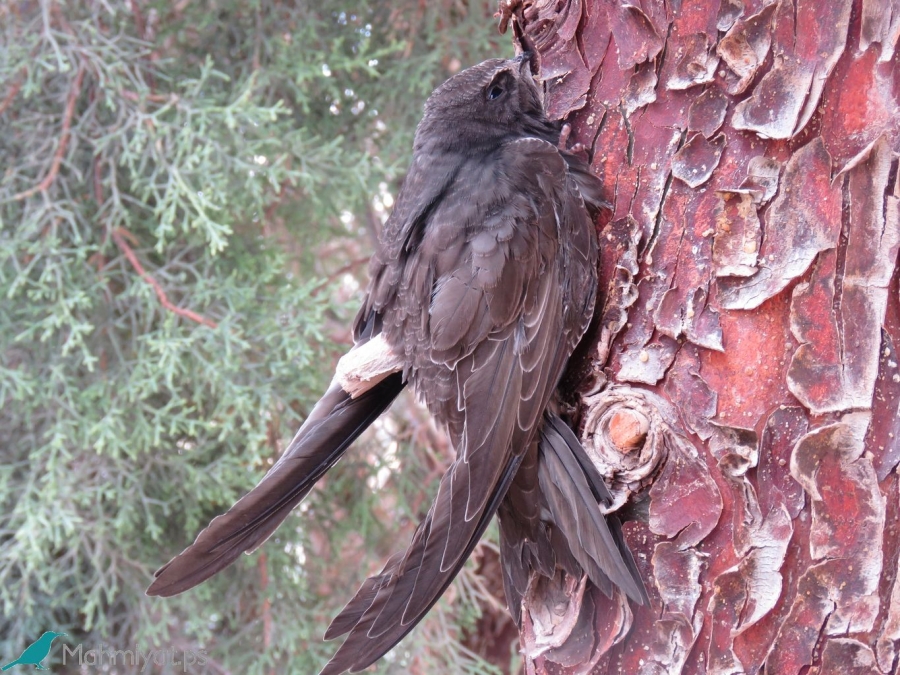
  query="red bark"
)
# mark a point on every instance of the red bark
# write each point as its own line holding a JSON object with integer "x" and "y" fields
{"x": 750, "y": 268}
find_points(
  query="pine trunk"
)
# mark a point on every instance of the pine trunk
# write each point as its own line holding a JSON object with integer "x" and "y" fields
{"x": 744, "y": 380}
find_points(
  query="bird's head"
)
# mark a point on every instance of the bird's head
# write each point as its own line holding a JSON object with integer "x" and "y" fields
{"x": 484, "y": 105}
{"x": 51, "y": 635}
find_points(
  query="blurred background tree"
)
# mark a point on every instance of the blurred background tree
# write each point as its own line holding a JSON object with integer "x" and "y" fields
{"x": 190, "y": 193}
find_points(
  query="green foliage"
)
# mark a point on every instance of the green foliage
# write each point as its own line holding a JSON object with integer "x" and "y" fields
{"x": 183, "y": 184}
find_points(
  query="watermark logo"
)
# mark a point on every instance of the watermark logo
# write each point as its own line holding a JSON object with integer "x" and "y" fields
{"x": 143, "y": 660}
{"x": 106, "y": 656}
{"x": 36, "y": 652}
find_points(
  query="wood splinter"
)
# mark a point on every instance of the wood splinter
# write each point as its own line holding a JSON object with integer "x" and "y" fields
{"x": 366, "y": 365}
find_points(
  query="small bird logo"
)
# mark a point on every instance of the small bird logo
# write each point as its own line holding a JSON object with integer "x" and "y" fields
{"x": 36, "y": 652}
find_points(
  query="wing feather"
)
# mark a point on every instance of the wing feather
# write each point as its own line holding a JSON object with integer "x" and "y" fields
{"x": 331, "y": 427}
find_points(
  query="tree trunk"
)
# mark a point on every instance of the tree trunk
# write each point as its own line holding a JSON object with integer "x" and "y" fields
{"x": 745, "y": 385}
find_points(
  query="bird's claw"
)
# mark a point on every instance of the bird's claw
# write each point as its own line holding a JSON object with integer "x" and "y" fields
{"x": 575, "y": 148}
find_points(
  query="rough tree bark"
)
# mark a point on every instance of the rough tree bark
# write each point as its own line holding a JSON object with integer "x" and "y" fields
{"x": 745, "y": 383}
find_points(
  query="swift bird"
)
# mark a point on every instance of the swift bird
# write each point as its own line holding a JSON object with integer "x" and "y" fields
{"x": 482, "y": 286}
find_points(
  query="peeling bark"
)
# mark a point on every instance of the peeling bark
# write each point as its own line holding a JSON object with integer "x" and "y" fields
{"x": 837, "y": 315}
{"x": 745, "y": 400}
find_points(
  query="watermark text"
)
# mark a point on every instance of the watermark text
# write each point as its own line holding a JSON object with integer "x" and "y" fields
{"x": 144, "y": 660}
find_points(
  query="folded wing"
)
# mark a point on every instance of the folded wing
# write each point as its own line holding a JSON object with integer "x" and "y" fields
{"x": 334, "y": 423}
{"x": 488, "y": 347}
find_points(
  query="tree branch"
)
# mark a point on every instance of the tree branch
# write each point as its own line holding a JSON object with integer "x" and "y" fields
{"x": 63, "y": 139}
{"x": 160, "y": 293}
{"x": 13, "y": 91}
{"x": 338, "y": 273}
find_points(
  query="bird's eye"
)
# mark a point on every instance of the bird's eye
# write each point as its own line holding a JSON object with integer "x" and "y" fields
{"x": 495, "y": 92}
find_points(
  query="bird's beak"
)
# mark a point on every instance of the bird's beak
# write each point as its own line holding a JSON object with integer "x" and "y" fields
{"x": 524, "y": 61}
{"x": 528, "y": 71}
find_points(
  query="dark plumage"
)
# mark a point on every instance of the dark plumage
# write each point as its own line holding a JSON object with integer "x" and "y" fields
{"x": 483, "y": 284}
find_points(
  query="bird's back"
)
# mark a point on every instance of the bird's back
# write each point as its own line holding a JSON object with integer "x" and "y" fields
{"x": 506, "y": 243}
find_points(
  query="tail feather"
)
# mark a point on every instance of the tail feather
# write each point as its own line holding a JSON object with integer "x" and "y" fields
{"x": 572, "y": 493}
{"x": 595, "y": 480}
{"x": 583, "y": 539}
{"x": 615, "y": 526}
{"x": 516, "y": 572}
{"x": 335, "y": 422}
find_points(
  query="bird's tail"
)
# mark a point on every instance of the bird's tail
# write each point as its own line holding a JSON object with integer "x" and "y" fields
{"x": 571, "y": 490}
{"x": 10, "y": 665}
{"x": 331, "y": 427}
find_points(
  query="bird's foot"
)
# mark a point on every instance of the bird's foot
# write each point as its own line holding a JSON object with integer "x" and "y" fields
{"x": 573, "y": 149}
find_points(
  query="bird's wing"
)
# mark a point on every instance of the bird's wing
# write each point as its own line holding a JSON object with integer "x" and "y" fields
{"x": 334, "y": 423}
{"x": 495, "y": 322}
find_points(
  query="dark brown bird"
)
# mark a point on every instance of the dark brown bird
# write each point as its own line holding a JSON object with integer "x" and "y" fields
{"x": 483, "y": 284}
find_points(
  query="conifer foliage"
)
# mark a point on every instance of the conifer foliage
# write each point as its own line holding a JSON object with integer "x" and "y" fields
{"x": 189, "y": 194}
